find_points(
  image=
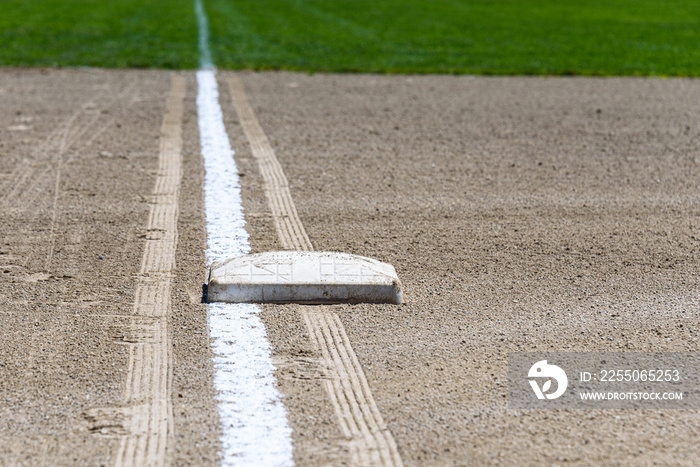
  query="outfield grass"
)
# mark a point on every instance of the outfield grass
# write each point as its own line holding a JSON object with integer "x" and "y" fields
{"x": 99, "y": 33}
{"x": 592, "y": 37}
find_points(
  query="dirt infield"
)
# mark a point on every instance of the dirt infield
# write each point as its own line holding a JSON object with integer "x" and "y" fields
{"x": 522, "y": 214}
{"x": 69, "y": 261}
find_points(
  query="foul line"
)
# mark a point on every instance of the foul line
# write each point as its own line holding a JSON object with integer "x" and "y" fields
{"x": 371, "y": 442}
{"x": 148, "y": 384}
{"x": 205, "y": 60}
{"x": 253, "y": 419}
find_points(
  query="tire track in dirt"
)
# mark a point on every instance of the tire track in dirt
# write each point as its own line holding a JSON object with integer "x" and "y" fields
{"x": 148, "y": 418}
{"x": 289, "y": 227}
{"x": 37, "y": 177}
{"x": 129, "y": 92}
{"x": 32, "y": 178}
{"x": 29, "y": 174}
{"x": 17, "y": 179}
{"x": 370, "y": 441}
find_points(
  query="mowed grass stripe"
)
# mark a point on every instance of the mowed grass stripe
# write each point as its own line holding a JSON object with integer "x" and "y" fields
{"x": 592, "y": 37}
{"x": 595, "y": 37}
{"x": 111, "y": 34}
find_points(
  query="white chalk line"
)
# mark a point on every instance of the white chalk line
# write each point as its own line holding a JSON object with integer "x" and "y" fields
{"x": 205, "y": 60}
{"x": 253, "y": 419}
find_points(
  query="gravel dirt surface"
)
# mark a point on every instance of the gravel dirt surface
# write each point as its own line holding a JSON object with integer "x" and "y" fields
{"x": 69, "y": 259}
{"x": 522, "y": 214}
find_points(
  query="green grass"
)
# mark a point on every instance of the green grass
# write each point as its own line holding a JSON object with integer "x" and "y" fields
{"x": 99, "y": 33}
{"x": 592, "y": 37}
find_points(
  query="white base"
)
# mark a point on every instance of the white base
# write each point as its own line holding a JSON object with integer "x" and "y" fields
{"x": 311, "y": 277}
